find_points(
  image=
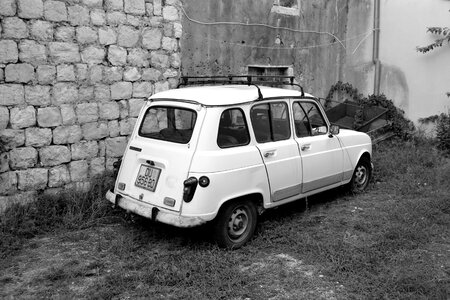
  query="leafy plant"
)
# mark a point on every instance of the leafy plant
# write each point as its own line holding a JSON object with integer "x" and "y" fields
{"x": 443, "y": 32}
{"x": 443, "y": 132}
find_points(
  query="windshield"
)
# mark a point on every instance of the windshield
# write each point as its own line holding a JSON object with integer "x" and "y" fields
{"x": 172, "y": 124}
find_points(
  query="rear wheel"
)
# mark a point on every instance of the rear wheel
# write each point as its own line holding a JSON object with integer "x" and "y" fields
{"x": 235, "y": 224}
{"x": 361, "y": 176}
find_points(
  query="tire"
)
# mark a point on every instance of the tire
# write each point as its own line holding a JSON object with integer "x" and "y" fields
{"x": 361, "y": 176}
{"x": 235, "y": 224}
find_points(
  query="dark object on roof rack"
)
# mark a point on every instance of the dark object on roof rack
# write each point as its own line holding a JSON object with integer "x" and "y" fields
{"x": 241, "y": 79}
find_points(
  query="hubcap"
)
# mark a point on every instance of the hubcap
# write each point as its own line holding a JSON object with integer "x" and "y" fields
{"x": 361, "y": 176}
{"x": 238, "y": 223}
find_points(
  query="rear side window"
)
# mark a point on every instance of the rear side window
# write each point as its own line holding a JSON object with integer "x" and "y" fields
{"x": 270, "y": 122}
{"x": 233, "y": 129}
{"x": 168, "y": 124}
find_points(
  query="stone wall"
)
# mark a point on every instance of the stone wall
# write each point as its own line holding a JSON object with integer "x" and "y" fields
{"x": 73, "y": 77}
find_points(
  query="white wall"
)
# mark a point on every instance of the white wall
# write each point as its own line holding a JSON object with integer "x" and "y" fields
{"x": 416, "y": 82}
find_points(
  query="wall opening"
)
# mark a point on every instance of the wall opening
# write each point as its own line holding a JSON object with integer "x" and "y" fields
{"x": 286, "y": 7}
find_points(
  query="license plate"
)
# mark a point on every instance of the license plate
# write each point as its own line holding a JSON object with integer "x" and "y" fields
{"x": 147, "y": 177}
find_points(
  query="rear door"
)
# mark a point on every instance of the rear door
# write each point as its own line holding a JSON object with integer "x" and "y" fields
{"x": 160, "y": 152}
{"x": 271, "y": 127}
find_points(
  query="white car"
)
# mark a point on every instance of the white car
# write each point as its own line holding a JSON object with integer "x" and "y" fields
{"x": 223, "y": 154}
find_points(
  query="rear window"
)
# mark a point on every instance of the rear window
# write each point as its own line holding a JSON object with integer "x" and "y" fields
{"x": 172, "y": 124}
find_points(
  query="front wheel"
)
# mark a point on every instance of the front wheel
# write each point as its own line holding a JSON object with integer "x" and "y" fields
{"x": 235, "y": 224}
{"x": 361, "y": 176}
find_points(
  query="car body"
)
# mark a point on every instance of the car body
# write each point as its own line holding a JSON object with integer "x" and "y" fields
{"x": 224, "y": 154}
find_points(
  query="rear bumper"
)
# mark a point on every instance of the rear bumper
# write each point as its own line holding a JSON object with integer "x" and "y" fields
{"x": 153, "y": 212}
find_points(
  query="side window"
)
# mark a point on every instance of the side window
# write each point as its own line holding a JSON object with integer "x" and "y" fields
{"x": 233, "y": 129}
{"x": 270, "y": 122}
{"x": 308, "y": 119}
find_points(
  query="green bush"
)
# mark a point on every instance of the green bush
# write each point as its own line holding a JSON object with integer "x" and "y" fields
{"x": 443, "y": 132}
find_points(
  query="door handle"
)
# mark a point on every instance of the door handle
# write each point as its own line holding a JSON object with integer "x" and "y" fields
{"x": 306, "y": 147}
{"x": 269, "y": 153}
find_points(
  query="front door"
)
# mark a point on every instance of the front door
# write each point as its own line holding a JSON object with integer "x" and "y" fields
{"x": 322, "y": 154}
{"x": 271, "y": 127}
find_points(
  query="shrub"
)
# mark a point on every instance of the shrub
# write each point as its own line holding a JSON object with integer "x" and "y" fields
{"x": 443, "y": 132}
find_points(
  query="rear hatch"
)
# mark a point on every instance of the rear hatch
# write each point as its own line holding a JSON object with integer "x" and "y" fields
{"x": 160, "y": 152}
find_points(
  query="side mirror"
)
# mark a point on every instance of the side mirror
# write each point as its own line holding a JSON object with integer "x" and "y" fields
{"x": 334, "y": 130}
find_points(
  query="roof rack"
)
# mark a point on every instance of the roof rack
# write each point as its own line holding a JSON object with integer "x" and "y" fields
{"x": 241, "y": 79}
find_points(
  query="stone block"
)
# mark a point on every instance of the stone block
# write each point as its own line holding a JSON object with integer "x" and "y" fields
{"x": 102, "y": 92}
{"x": 2, "y": 73}
{"x": 30, "y": 9}
{"x": 94, "y": 131}
{"x": 110, "y": 163}
{"x": 86, "y": 93}
{"x": 54, "y": 155}
{"x": 61, "y": 52}
{"x": 4, "y": 162}
{"x": 22, "y": 117}
{"x": 114, "y": 5}
{"x": 84, "y": 150}
{"x": 33, "y": 179}
{"x": 8, "y": 7}
{"x": 97, "y": 166}
{"x": 12, "y": 138}
{"x": 65, "y": 73}
{"x": 169, "y": 44}
{"x": 152, "y": 75}
{"x": 78, "y": 15}
{"x": 170, "y": 13}
{"x": 46, "y": 74}
{"x": 161, "y": 86}
{"x": 87, "y": 112}
{"x": 11, "y": 94}
{"x": 9, "y": 183}
{"x": 8, "y": 52}
{"x": 168, "y": 30}
{"x": 131, "y": 74}
{"x": 170, "y": 73}
{"x": 78, "y": 170}
{"x": 117, "y": 56}
{"x": 15, "y": 28}
{"x": 68, "y": 114}
{"x": 102, "y": 147}
{"x": 93, "y": 55}
{"x": 49, "y": 117}
{"x": 175, "y": 60}
{"x": 32, "y": 52}
{"x": 98, "y": 17}
{"x": 4, "y": 117}
{"x": 157, "y": 7}
{"x": 177, "y": 30}
{"x": 173, "y": 83}
{"x": 22, "y": 73}
{"x": 142, "y": 89}
{"x": 127, "y": 36}
{"x": 67, "y": 134}
{"x": 134, "y": 7}
{"x": 93, "y": 3}
{"x": 55, "y": 11}
{"x": 42, "y": 30}
{"x": 149, "y": 9}
{"x": 107, "y": 36}
{"x": 23, "y": 158}
{"x": 159, "y": 60}
{"x": 138, "y": 57}
{"x": 151, "y": 38}
{"x": 58, "y": 176}
{"x": 124, "y": 109}
{"x": 115, "y": 147}
{"x": 95, "y": 73}
{"x": 112, "y": 74}
{"x": 38, "y": 137}
{"x": 126, "y": 126}
{"x": 38, "y": 95}
{"x": 65, "y": 33}
{"x": 109, "y": 110}
{"x": 115, "y": 18}
{"x": 134, "y": 21}
{"x": 121, "y": 90}
{"x": 114, "y": 129}
{"x": 64, "y": 93}
{"x": 86, "y": 35}
{"x": 82, "y": 72}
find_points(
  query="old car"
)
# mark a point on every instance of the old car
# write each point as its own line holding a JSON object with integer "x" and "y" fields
{"x": 223, "y": 154}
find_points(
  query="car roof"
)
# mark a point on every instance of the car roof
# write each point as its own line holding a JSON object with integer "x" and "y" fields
{"x": 224, "y": 94}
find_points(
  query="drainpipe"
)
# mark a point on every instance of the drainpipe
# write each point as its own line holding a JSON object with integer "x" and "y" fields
{"x": 376, "y": 48}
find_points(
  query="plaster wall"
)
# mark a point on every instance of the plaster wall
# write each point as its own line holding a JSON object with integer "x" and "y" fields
{"x": 416, "y": 82}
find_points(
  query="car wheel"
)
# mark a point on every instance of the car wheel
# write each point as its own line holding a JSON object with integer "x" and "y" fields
{"x": 361, "y": 176}
{"x": 235, "y": 224}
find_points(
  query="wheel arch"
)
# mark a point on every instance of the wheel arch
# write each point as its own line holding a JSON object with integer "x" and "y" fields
{"x": 256, "y": 198}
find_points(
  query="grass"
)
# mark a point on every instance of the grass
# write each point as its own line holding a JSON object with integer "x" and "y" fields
{"x": 392, "y": 242}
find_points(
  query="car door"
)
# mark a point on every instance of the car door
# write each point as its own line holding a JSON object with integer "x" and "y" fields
{"x": 271, "y": 128}
{"x": 322, "y": 154}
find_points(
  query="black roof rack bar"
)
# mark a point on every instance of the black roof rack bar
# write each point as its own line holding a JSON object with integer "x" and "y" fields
{"x": 240, "y": 79}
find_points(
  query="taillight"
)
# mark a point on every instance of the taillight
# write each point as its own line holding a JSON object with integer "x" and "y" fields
{"x": 190, "y": 185}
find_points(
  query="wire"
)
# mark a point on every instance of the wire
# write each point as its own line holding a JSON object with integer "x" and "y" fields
{"x": 260, "y": 25}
